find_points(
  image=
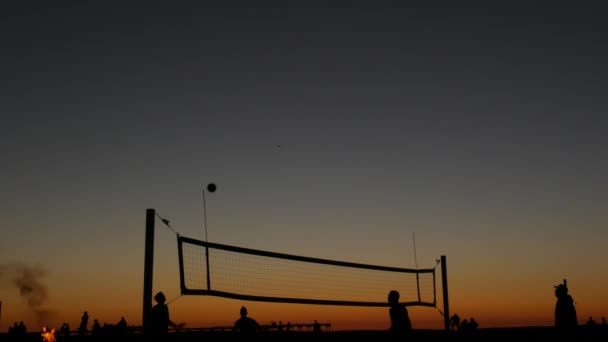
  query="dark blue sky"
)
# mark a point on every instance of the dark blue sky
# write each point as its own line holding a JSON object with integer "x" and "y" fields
{"x": 479, "y": 127}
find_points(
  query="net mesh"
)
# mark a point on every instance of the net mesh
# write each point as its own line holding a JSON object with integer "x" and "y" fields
{"x": 266, "y": 276}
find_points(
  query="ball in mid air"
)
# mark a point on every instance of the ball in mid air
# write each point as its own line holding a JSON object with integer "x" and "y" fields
{"x": 211, "y": 187}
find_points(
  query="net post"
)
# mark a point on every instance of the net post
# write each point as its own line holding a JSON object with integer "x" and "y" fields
{"x": 208, "y": 271}
{"x": 444, "y": 286}
{"x": 180, "y": 257}
{"x": 148, "y": 265}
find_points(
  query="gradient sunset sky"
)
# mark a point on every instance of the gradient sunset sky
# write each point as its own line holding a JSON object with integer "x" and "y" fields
{"x": 334, "y": 130}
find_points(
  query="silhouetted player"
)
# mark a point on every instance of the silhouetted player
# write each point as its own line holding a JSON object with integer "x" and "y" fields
{"x": 245, "y": 325}
{"x": 400, "y": 319}
{"x": 159, "y": 322}
{"x": 565, "y": 312}
{"x": 454, "y": 322}
{"x": 84, "y": 322}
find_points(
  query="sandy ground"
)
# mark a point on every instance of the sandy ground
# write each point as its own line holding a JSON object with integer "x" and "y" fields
{"x": 584, "y": 333}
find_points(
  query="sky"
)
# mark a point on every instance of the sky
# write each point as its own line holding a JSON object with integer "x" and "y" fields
{"x": 387, "y": 133}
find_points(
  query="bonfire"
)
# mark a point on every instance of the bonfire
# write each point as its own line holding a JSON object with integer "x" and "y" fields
{"x": 48, "y": 335}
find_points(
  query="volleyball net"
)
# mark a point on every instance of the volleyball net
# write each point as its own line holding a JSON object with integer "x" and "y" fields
{"x": 215, "y": 269}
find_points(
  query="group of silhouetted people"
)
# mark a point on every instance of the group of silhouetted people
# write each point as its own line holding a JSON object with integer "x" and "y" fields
{"x": 97, "y": 330}
{"x": 17, "y": 331}
{"x": 158, "y": 321}
{"x": 464, "y": 327}
{"x": 591, "y": 321}
{"x": 114, "y": 330}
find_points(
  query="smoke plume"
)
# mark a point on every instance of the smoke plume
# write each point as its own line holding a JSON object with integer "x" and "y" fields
{"x": 28, "y": 281}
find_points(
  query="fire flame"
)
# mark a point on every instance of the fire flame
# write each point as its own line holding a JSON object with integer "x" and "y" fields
{"x": 48, "y": 336}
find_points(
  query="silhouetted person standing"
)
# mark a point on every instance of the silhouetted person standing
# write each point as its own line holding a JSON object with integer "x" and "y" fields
{"x": 316, "y": 327}
{"x": 84, "y": 322}
{"x": 246, "y": 325}
{"x": 121, "y": 327}
{"x": 464, "y": 327}
{"x": 17, "y": 332}
{"x": 159, "y": 322}
{"x": 400, "y": 319}
{"x": 13, "y": 329}
{"x": 454, "y": 322}
{"x": 565, "y": 312}
{"x": 96, "y": 329}
{"x": 473, "y": 325}
{"x": 65, "y": 330}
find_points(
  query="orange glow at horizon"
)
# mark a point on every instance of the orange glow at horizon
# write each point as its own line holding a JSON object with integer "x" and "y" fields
{"x": 492, "y": 302}
{"x": 204, "y": 311}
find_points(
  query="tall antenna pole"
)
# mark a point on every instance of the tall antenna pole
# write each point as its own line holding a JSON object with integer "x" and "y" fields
{"x": 211, "y": 187}
{"x": 205, "y": 214}
{"x": 415, "y": 257}
{"x": 416, "y": 263}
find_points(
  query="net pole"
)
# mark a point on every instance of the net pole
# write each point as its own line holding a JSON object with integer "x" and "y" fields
{"x": 416, "y": 262}
{"x": 148, "y": 265}
{"x": 180, "y": 256}
{"x": 444, "y": 285}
